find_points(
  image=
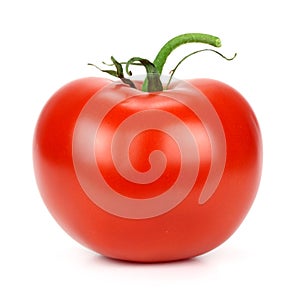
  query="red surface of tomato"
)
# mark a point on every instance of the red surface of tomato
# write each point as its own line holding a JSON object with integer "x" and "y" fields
{"x": 148, "y": 176}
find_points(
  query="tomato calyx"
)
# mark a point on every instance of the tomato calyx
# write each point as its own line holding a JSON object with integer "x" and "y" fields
{"x": 116, "y": 73}
{"x": 193, "y": 53}
{"x": 152, "y": 82}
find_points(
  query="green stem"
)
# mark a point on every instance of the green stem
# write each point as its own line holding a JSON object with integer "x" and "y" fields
{"x": 177, "y": 41}
{"x": 152, "y": 82}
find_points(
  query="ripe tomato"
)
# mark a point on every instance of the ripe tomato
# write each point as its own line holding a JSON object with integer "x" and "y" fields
{"x": 145, "y": 176}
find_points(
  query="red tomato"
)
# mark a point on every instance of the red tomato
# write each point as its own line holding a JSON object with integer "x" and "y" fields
{"x": 145, "y": 176}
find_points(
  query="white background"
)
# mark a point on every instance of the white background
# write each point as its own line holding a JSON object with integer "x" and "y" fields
{"x": 45, "y": 44}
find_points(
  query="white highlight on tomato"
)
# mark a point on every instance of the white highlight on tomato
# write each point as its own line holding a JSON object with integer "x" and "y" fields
{"x": 103, "y": 195}
{"x": 154, "y": 119}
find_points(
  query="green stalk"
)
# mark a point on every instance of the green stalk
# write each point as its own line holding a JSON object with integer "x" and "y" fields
{"x": 177, "y": 41}
{"x": 152, "y": 82}
{"x": 174, "y": 43}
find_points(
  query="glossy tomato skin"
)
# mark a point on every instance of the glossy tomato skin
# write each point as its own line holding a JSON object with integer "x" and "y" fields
{"x": 187, "y": 227}
{"x": 243, "y": 136}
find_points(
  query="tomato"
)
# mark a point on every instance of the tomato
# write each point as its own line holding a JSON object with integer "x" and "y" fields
{"x": 148, "y": 176}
